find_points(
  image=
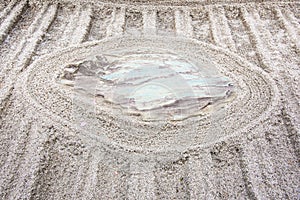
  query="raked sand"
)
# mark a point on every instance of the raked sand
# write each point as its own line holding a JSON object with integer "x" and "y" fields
{"x": 76, "y": 121}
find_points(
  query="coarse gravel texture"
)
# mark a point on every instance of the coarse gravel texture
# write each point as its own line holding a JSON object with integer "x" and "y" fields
{"x": 59, "y": 142}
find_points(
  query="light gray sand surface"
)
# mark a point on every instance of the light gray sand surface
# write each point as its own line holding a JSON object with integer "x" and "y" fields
{"x": 76, "y": 121}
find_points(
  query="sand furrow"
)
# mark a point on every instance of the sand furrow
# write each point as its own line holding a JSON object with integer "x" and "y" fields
{"x": 250, "y": 21}
{"x": 284, "y": 56}
{"x": 102, "y": 17}
{"x": 35, "y": 32}
{"x": 6, "y": 139}
{"x": 133, "y": 21}
{"x": 292, "y": 19}
{"x": 82, "y": 29}
{"x": 201, "y": 177}
{"x": 274, "y": 163}
{"x": 35, "y": 37}
{"x": 149, "y": 22}
{"x": 165, "y": 22}
{"x": 6, "y": 92}
{"x": 141, "y": 180}
{"x": 220, "y": 29}
{"x": 11, "y": 45}
{"x": 282, "y": 42}
{"x": 79, "y": 181}
{"x": 264, "y": 34}
{"x": 116, "y": 28}
{"x": 71, "y": 26}
{"x": 225, "y": 164}
{"x": 11, "y": 19}
{"x": 105, "y": 186}
{"x": 250, "y": 159}
{"x": 288, "y": 27}
{"x": 63, "y": 157}
{"x": 27, "y": 47}
{"x": 240, "y": 34}
{"x": 285, "y": 154}
{"x": 285, "y": 64}
{"x": 6, "y": 10}
{"x": 61, "y": 173}
{"x": 171, "y": 180}
{"x": 183, "y": 23}
{"x": 29, "y": 167}
{"x": 112, "y": 176}
{"x": 252, "y": 185}
{"x": 14, "y": 156}
{"x": 201, "y": 25}
{"x": 91, "y": 177}
{"x": 54, "y": 38}
{"x": 292, "y": 129}
{"x": 213, "y": 28}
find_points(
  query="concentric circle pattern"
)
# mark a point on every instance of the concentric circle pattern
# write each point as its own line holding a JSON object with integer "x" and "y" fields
{"x": 66, "y": 86}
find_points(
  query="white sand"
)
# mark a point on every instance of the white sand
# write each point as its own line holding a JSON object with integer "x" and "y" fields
{"x": 57, "y": 144}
